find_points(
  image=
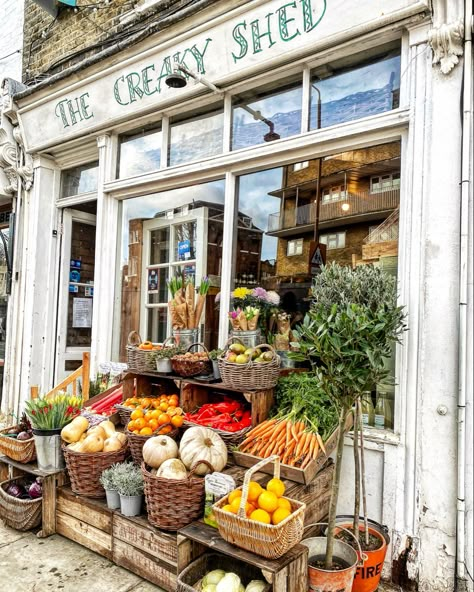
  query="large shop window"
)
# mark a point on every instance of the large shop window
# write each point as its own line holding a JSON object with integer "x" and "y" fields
{"x": 279, "y": 213}
{"x": 139, "y": 152}
{"x": 178, "y": 232}
{"x": 354, "y": 92}
{"x": 196, "y": 138}
{"x": 266, "y": 116}
{"x": 82, "y": 179}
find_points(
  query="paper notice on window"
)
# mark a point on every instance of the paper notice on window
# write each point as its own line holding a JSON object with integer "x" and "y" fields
{"x": 82, "y": 313}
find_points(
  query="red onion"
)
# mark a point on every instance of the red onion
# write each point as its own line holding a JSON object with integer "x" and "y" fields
{"x": 35, "y": 491}
{"x": 15, "y": 490}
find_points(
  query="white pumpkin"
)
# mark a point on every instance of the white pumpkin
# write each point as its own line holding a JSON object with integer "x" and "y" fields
{"x": 172, "y": 468}
{"x": 158, "y": 449}
{"x": 199, "y": 443}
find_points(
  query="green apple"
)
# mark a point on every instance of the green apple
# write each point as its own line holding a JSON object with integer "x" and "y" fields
{"x": 241, "y": 359}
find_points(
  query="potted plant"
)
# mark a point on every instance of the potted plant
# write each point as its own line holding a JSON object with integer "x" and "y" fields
{"x": 129, "y": 482}
{"x": 213, "y": 355}
{"x": 347, "y": 335}
{"x": 163, "y": 358}
{"x": 108, "y": 481}
{"x": 48, "y": 416}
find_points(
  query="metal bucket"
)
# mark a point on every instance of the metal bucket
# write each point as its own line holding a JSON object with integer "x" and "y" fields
{"x": 186, "y": 337}
{"x": 286, "y": 362}
{"x": 248, "y": 338}
{"x": 321, "y": 580}
{"x": 48, "y": 450}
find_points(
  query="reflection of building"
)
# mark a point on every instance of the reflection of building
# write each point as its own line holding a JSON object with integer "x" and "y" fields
{"x": 357, "y": 216}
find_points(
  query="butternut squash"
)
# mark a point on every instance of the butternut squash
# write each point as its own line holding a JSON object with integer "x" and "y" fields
{"x": 93, "y": 443}
{"x": 112, "y": 444}
{"x": 74, "y": 430}
{"x": 108, "y": 427}
{"x": 97, "y": 430}
{"x": 121, "y": 437}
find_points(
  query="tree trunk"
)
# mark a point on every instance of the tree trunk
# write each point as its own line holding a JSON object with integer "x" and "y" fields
{"x": 335, "y": 489}
{"x": 357, "y": 426}
{"x": 362, "y": 473}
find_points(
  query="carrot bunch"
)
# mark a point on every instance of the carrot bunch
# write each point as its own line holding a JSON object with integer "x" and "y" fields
{"x": 295, "y": 442}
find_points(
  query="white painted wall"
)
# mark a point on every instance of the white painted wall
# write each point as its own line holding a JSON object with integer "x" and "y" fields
{"x": 11, "y": 38}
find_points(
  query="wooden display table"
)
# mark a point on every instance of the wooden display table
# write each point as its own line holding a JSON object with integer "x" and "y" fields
{"x": 50, "y": 481}
{"x": 287, "y": 574}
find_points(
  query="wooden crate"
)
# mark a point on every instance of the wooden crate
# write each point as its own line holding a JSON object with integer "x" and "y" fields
{"x": 86, "y": 521}
{"x": 286, "y": 574}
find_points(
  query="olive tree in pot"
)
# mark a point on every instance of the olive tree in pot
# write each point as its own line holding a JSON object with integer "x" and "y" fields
{"x": 347, "y": 336}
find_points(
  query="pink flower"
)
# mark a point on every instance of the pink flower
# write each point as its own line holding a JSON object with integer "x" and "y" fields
{"x": 259, "y": 293}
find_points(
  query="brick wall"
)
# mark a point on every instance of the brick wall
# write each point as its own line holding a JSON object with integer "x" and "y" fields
{"x": 11, "y": 27}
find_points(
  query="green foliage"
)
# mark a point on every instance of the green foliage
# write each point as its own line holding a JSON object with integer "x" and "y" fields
{"x": 167, "y": 352}
{"x": 126, "y": 478}
{"x": 215, "y": 353}
{"x": 53, "y": 412}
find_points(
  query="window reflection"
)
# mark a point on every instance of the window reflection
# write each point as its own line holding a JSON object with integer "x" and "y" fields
{"x": 196, "y": 138}
{"x": 359, "y": 92}
{"x": 82, "y": 179}
{"x": 266, "y": 118}
{"x": 139, "y": 153}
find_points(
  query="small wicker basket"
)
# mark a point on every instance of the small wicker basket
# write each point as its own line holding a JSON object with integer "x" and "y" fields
{"x": 189, "y": 580}
{"x": 124, "y": 414}
{"x": 136, "y": 441}
{"x": 172, "y": 503}
{"x": 85, "y": 469}
{"x": 139, "y": 360}
{"x": 268, "y": 540}
{"x": 22, "y": 451}
{"x": 251, "y": 376}
{"x": 18, "y": 513}
{"x": 187, "y": 368}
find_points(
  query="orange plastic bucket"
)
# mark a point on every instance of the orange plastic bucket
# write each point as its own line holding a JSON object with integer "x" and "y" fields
{"x": 367, "y": 576}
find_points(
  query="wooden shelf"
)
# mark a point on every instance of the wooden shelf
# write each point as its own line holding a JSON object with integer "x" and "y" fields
{"x": 30, "y": 468}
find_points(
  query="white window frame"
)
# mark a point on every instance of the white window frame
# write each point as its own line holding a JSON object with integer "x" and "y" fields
{"x": 394, "y": 179}
{"x": 334, "y": 193}
{"x": 296, "y": 246}
{"x": 299, "y": 166}
{"x": 327, "y": 237}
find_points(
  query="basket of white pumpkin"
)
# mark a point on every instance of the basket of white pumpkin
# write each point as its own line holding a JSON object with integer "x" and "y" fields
{"x": 174, "y": 477}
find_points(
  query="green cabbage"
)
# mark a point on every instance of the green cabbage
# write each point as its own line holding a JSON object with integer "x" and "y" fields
{"x": 229, "y": 583}
{"x": 256, "y": 586}
{"x": 213, "y": 577}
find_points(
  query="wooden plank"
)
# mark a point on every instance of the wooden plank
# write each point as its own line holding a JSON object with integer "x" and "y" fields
{"x": 128, "y": 386}
{"x": 280, "y": 581}
{"x": 208, "y": 536}
{"x": 144, "y": 565}
{"x": 34, "y": 391}
{"x": 142, "y": 535}
{"x": 48, "y": 507}
{"x": 93, "y": 512}
{"x": 84, "y": 534}
{"x": 144, "y": 387}
{"x": 295, "y": 474}
{"x": 262, "y": 402}
{"x": 30, "y": 468}
{"x": 86, "y": 368}
{"x": 188, "y": 551}
{"x": 298, "y": 574}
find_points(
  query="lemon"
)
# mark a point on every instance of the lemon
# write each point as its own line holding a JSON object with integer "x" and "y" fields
{"x": 268, "y": 501}
{"x": 279, "y": 515}
{"x": 260, "y": 516}
{"x": 276, "y": 486}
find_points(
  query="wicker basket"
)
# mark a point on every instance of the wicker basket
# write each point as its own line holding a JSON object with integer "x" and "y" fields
{"x": 172, "y": 503}
{"x": 185, "y": 367}
{"x": 18, "y": 513}
{"x": 136, "y": 442}
{"x": 231, "y": 439}
{"x": 124, "y": 414}
{"x": 85, "y": 469}
{"x": 268, "y": 540}
{"x": 22, "y": 451}
{"x": 139, "y": 360}
{"x": 251, "y": 376}
{"x": 189, "y": 580}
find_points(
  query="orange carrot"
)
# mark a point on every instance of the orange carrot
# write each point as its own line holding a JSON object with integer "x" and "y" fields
{"x": 321, "y": 444}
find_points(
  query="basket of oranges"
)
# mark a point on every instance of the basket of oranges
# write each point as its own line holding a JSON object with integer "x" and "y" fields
{"x": 159, "y": 416}
{"x": 259, "y": 520}
{"x": 141, "y": 355}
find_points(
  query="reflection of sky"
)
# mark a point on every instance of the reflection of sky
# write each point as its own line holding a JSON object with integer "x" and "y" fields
{"x": 373, "y": 76}
{"x": 195, "y": 139}
{"x": 255, "y": 202}
{"x": 140, "y": 155}
{"x": 148, "y": 206}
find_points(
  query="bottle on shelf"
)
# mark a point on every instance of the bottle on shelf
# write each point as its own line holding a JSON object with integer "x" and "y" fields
{"x": 383, "y": 417}
{"x": 367, "y": 407}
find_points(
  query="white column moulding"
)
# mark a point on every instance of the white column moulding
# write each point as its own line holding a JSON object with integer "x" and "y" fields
{"x": 105, "y": 257}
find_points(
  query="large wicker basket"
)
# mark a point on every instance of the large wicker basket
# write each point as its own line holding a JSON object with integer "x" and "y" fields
{"x": 187, "y": 368}
{"x": 124, "y": 414}
{"x": 18, "y": 513}
{"x": 85, "y": 469}
{"x": 22, "y": 451}
{"x": 136, "y": 442}
{"x": 268, "y": 540}
{"x": 231, "y": 439}
{"x": 172, "y": 503}
{"x": 139, "y": 360}
{"x": 252, "y": 376}
{"x": 189, "y": 580}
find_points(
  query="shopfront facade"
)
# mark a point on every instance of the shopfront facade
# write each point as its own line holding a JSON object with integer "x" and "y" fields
{"x": 135, "y": 180}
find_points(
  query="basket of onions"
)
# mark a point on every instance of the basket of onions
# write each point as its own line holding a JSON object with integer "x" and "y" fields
{"x": 21, "y": 503}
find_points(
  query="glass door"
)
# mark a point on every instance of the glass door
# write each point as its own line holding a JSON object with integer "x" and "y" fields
{"x": 170, "y": 246}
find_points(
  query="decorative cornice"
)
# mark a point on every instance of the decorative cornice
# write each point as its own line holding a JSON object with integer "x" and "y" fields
{"x": 15, "y": 164}
{"x": 446, "y": 42}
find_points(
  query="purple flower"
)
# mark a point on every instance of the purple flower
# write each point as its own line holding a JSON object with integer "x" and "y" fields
{"x": 260, "y": 293}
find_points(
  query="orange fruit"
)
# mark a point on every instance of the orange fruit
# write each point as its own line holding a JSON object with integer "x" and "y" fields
{"x": 177, "y": 421}
{"x": 284, "y": 503}
{"x": 233, "y": 495}
{"x": 277, "y": 486}
{"x": 178, "y": 411}
{"x": 148, "y": 415}
{"x": 164, "y": 418}
{"x": 146, "y": 431}
{"x": 235, "y": 504}
{"x": 255, "y": 489}
{"x": 136, "y": 414}
{"x": 174, "y": 400}
{"x": 171, "y": 410}
{"x": 156, "y": 404}
{"x": 249, "y": 508}
{"x": 228, "y": 508}
{"x": 146, "y": 402}
{"x": 136, "y": 431}
{"x": 260, "y": 516}
{"x": 155, "y": 414}
{"x": 267, "y": 501}
{"x": 279, "y": 515}
{"x": 131, "y": 425}
{"x": 165, "y": 430}
{"x": 164, "y": 405}
{"x": 153, "y": 424}
{"x": 140, "y": 423}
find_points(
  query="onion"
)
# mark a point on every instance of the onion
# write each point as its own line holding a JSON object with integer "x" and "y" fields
{"x": 24, "y": 436}
{"x": 15, "y": 490}
{"x": 35, "y": 490}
